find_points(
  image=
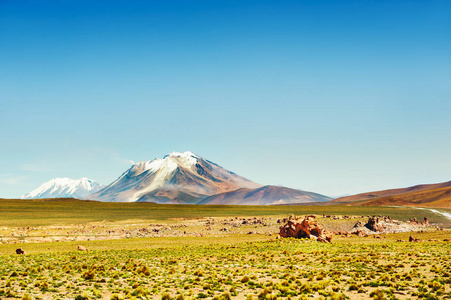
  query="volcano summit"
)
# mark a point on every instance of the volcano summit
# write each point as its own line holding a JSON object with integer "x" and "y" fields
{"x": 182, "y": 178}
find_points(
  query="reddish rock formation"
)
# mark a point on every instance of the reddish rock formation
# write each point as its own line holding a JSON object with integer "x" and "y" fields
{"x": 305, "y": 228}
{"x": 82, "y": 248}
{"x": 374, "y": 224}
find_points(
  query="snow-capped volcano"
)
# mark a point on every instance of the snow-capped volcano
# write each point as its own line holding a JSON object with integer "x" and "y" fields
{"x": 64, "y": 188}
{"x": 176, "y": 178}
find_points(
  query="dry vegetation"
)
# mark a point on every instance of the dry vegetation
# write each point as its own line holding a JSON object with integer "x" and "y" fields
{"x": 271, "y": 269}
{"x": 218, "y": 257}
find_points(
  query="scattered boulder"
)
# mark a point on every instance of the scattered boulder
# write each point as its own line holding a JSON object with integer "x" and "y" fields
{"x": 82, "y": 248}
{"x": 413, "y": 221}
{"x": 412, "y": 239}
{"x": 20, "y": 251}
{"x": 305, "y": 228}
{"x": 359, "y": 232}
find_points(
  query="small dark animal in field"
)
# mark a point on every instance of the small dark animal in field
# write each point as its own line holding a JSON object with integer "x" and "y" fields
{"x": 447, "y": 240}
{"x": 82, "y": 248}
{"x": 20, "y": 251}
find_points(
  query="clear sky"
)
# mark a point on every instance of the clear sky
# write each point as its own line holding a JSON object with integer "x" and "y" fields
{"x": 335, "y": 97}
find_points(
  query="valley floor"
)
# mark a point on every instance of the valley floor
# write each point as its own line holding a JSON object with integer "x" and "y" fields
{"x": 216, "y": 255}
{"x": 238, "y": 268}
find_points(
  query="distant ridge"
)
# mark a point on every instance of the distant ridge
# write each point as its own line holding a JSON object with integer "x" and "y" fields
{"x": 438, "y": 198}
{"x": 429, "y": 195}
{"x": 266, "y": 195}
{"x": 391, "y": 192}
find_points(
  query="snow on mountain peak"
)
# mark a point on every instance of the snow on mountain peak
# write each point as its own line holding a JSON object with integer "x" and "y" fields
{"x": 64, "y": 187}
{"x": 168, "y": 163}
{"x": 184, "y": 154}
{"x": 182, "y": 177}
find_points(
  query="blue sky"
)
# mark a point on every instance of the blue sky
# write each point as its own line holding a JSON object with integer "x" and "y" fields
{"x": 335, "y": 97}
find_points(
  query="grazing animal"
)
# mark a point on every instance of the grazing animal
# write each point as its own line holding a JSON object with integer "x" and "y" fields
{"x": 82, "y": 248}
{"x": 20, "y": 251}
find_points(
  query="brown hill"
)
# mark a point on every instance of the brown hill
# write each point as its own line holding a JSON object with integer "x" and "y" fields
{"x": 392, "y": 192}
{"x": 266, "y": 195}
{"x": 438, "y": 198}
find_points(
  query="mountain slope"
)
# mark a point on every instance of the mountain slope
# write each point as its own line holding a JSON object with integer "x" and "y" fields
{"x": 177, "y": 178}
{"x": 266, "y": 195}
{"x": 64, "y": 188}
{"x": 438, "y": 198}
{"x": 391, "y": 192}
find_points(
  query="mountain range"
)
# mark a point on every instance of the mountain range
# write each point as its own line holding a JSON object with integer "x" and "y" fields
{"x": 186, "y": 178}
{"x": 181, "y": 178}
{"x": 64, "y": 188}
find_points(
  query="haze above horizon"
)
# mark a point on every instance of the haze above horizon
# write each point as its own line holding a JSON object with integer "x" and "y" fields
{"x": 331, "y": 97}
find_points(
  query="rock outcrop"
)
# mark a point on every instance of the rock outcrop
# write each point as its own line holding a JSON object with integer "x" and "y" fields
{"x": 305, "y": 228}
{"x": 385, "y": 224}
{"x": 378, "y": 224}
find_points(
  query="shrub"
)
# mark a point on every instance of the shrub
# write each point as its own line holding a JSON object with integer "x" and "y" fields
{"x": 225, "y": 296}
{"x": 166, "y": 296}
{"x": 89, "y": 275}
{"x": 27, "y": 297}
{"x": 377, "y": 295}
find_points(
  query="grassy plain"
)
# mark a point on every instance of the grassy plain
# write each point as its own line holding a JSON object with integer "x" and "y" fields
{"x": 69, "y": 211}
{"x": 232, "y": 265}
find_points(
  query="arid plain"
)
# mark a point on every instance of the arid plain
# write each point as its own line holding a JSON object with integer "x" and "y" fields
{"x": 150, "y": 251}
